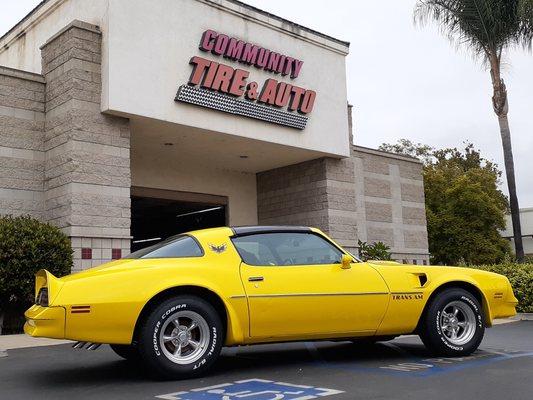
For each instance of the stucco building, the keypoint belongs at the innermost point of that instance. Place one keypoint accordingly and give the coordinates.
(125, 121)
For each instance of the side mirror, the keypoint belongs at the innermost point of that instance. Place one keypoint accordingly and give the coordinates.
(346, 261)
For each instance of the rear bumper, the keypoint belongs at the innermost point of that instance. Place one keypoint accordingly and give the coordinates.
(45, 322)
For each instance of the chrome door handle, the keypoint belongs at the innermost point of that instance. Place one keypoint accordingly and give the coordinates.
(256, 279)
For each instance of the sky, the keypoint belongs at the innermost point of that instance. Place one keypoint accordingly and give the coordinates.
(408, 82)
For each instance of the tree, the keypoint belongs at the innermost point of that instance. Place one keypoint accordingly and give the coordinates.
(26, 246)
(374, 251)
(488, 28)
(464, 207)
(408, 148)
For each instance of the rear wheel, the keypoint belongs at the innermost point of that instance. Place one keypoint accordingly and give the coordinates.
(127, 352)
(181, 338)
(453, 323)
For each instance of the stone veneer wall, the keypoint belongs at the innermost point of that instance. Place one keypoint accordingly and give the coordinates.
(318, 193)
(390, 203)
(61, 159)
(87, 171)
(372, 196)
(21, 142)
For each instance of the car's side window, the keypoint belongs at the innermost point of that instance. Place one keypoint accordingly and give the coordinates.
(173, 247)
(286, 248)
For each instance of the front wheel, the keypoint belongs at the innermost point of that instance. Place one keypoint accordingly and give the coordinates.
(453, 323)
(181, 338)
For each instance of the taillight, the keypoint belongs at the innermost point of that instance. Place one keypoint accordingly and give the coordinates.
(42, 297)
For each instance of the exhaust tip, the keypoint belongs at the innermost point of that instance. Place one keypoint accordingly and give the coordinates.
(86, 345)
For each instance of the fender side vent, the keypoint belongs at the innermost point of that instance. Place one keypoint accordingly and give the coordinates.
(423, 279)
(80, 309)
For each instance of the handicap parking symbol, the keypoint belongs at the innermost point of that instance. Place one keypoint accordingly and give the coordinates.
(252, 389)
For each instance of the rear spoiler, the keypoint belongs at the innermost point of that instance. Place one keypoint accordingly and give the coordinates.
(43, 278)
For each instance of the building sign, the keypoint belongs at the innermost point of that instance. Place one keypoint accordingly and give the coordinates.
(227, 88)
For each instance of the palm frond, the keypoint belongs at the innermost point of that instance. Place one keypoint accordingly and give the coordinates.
(486, 27)
(525, 11)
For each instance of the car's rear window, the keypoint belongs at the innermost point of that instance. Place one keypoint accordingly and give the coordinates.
(174, 247)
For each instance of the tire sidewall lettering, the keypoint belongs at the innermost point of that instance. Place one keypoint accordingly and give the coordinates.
(437, 323)
(155, 339)
(211, 349)
(213, 342)
(471, 302)
(172, 309)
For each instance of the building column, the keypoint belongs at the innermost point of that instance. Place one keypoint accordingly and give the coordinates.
(318, 193)
(21, 142)
(87, 153)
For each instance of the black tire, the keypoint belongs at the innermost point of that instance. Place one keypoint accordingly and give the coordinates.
(161, 356)
(438, 326)
(125, 351)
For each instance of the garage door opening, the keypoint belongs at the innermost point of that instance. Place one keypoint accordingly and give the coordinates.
(157, 214)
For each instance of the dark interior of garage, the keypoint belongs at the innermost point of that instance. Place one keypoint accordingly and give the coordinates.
(155, 219)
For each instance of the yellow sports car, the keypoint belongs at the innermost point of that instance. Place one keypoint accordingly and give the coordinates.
(172, 306)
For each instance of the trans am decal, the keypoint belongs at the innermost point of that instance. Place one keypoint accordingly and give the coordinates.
(408, 296)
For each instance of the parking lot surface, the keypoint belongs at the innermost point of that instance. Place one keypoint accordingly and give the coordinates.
(401, 369)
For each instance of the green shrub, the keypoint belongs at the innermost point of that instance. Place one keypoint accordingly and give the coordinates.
(26, 246)
(521, 278)
(374, 251)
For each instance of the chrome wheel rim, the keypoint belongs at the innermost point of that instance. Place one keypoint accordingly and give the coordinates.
(184, 337)
(457, 323)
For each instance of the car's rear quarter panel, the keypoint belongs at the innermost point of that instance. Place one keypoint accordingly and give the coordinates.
(117, 298)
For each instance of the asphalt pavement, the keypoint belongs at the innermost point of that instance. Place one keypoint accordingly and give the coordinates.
(401, 369)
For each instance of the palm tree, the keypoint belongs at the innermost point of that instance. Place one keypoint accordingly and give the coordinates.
(488, 28)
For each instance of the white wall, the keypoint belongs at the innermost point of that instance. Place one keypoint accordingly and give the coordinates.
(153, 169)
(526, 224)
(150, 45)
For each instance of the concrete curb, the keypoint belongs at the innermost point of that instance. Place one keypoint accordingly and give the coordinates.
(517, 318)
(10, 342)
(502, 321)
(524, 316)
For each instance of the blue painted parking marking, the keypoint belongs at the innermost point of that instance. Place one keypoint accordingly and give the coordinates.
(252, 389)
(431, 366)
(411, 365)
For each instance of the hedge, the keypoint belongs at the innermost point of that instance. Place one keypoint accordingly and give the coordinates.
(26, 246)
(521, 278)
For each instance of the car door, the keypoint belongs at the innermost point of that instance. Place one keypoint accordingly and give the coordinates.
(296, 288)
